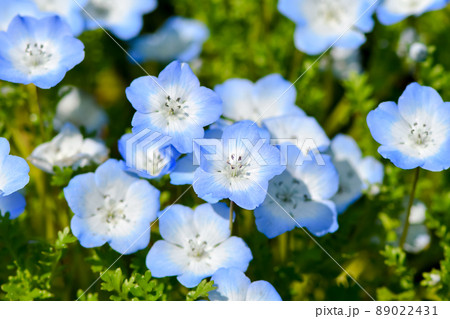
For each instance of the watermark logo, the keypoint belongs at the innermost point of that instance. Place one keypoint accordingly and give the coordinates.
(144, 151)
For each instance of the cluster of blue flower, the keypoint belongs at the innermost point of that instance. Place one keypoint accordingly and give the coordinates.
(321, 24)
(304, 179)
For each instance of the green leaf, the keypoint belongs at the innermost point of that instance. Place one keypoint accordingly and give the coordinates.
(202, 290)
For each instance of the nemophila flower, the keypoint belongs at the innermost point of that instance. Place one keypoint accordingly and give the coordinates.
(233, 285)
(123, 18)
(68, 149)
(80, 109)
(11, 8)
(307, 132)
(302, 195)
(241, 167)
(356, 174)
(38, 51)
(393, 11)
(321, 24)
(178, 39)
(268, 97)
(14, 204)
(111, 206)
(418, 237)
(416, 132)
(345, 62)
(174, 104)
(13, 170)
(196, 243)
(148, 153)
(69, 10)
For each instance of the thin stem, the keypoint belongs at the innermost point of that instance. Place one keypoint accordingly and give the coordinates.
(410, 203)
(36, 107)
(231, 216)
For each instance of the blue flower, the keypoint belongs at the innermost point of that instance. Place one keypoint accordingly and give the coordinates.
(356, 173)
(123, 18)
(326, 23)
(300, 196)
(416, 133)
(68, 149)
(147, 154)
(178, 39)
(69, 10)
(174, 104)
(11, 8)
(38, 51)
(304, 129)
(112, 207)
(13, 170)
(196, 244)
(241, 167)
(233, 285)
(393, 11)
(268, 97)
(80, 109)
(13, 204)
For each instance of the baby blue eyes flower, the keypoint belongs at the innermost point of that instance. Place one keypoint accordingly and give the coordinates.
(268, 97)
(174, 104)
(416, 132)
(178, 39)
(13, 177)
(13, 204)
(13, 170)
(233, 285)
(393, 11)
(38, 51)
(356, 174)
(122, 18)
(112, 207)
(68, 149)
(320, 24)
(304, 129)
(69, 10)
(302, 195)
(80, 109)
(196, 243)
(242, 166)
(147, 154)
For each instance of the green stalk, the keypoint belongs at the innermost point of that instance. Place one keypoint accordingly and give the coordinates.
(410, 203)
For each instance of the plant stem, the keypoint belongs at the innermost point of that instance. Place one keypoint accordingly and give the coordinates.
(35, 106)
(410, 203)
(231, 216)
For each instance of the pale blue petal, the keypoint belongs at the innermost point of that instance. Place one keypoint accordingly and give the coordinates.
(262, 291)
(231, 283)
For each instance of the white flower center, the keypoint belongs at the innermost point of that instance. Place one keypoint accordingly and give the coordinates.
(113, 212)
(330, 16)
(407, 6)
(174, 109)
(198, 248)
(290, 192)
(36, 56)
(421, 135)
(237, 166)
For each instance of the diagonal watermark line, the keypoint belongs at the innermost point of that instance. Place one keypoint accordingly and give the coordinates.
(317, 243)
(148, 229)
(317, 60)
